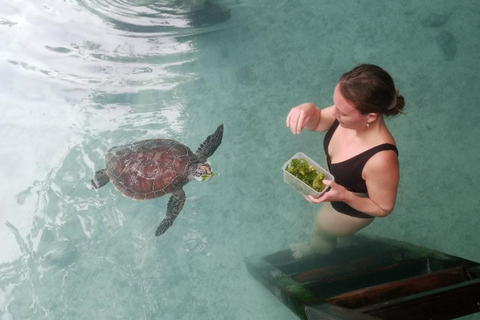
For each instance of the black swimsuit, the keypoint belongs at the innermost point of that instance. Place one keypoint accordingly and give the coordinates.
(348, 173)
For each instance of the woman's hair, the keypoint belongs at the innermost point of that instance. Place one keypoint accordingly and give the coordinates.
(371, 89)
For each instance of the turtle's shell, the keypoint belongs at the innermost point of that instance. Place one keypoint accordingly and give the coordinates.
(150, 168)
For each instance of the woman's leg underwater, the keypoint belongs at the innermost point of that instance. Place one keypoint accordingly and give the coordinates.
(331, 224)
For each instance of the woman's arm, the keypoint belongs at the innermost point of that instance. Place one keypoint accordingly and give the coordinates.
(381, 174)
(309, 117)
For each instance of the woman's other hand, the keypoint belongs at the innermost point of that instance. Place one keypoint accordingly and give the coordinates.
(300, 116)
(336, 193)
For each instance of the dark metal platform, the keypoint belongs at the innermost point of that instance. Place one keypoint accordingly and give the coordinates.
(373, 278)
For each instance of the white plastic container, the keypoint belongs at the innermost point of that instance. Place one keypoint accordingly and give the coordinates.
(298, 184)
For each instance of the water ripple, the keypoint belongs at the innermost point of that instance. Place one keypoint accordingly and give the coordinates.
(156, 16)
(110, 46)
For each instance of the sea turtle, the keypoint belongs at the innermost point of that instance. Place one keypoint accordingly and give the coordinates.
(151, 168)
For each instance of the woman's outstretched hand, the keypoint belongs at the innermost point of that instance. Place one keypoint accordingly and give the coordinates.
(336, 193)
(300, 116)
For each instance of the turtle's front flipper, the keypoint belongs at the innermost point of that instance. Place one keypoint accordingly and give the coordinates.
(175, 205)
(208, 147)
(101, 178)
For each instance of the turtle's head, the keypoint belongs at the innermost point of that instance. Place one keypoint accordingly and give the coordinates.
(203, 172)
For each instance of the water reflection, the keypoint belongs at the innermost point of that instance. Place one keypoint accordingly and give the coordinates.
(122, 68)
(146, 48)
(78, 77)
(157, 16)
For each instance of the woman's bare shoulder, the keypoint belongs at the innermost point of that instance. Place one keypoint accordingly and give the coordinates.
(383, 163)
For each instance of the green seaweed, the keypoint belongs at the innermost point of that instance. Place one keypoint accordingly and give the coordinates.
(208, 176)
(307, 174)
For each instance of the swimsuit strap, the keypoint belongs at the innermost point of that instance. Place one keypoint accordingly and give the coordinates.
(328, 137)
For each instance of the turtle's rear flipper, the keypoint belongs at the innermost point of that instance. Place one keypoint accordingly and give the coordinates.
(175, 205)
(100, 179)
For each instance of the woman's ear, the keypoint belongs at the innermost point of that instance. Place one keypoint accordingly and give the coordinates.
(371, 117)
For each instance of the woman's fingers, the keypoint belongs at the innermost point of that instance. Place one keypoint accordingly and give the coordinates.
(315, 200)
(324, 196)
(297, 119)
(292, 120)
(328, 183)
(302, 121)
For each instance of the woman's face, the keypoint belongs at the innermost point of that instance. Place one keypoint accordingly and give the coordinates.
(347, 115)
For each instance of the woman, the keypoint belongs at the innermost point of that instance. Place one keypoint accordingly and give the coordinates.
(361, 154)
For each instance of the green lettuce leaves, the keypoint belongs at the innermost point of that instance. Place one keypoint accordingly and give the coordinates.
(306, 173)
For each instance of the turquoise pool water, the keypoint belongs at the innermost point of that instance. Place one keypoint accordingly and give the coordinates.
(80, 76)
